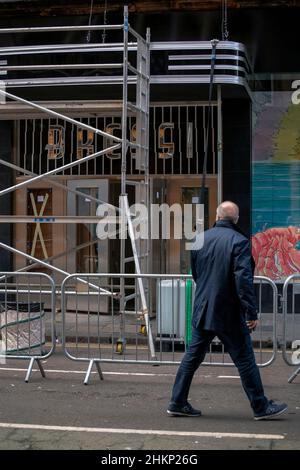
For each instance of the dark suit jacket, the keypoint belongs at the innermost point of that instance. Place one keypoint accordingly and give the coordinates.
(223, 273)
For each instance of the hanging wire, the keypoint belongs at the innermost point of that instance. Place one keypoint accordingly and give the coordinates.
(104, 22)
(214, 43)
(225, 32)
(88, 37)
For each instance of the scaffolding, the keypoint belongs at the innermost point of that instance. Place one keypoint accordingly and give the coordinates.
(137, 74)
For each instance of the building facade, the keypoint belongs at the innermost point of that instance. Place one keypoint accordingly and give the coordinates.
(253, 146)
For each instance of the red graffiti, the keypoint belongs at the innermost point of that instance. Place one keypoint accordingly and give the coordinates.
(275, 252)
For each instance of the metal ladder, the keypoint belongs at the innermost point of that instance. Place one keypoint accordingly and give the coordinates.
(140, 248)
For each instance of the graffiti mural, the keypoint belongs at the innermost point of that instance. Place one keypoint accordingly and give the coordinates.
(276, 185)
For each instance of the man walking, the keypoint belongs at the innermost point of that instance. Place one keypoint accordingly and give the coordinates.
(224, 306)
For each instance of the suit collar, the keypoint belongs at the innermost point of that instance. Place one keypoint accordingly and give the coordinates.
(225, 223)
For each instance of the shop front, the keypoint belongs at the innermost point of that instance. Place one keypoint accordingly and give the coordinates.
(199, 138)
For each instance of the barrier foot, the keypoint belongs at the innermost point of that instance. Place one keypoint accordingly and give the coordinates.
(89, 371)
(41, 368)
(29, 370)
(99, 370)
(294, 375)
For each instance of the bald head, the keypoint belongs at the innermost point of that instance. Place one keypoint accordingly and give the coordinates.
(228, 210)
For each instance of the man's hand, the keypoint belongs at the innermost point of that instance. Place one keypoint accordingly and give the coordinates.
(252, 324)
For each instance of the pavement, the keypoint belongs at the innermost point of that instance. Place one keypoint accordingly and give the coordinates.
(127, 410)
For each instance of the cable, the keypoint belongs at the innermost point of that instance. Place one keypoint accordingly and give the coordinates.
(88, 36)
(104, 22)
(214, 43)
(225, 32)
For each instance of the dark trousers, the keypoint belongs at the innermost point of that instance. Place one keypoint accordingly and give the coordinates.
(241, 353)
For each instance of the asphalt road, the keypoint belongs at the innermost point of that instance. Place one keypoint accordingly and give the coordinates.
(127, 410)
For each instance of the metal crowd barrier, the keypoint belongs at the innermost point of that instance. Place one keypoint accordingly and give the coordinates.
(291, 323)
(93, 316)
(27, 318)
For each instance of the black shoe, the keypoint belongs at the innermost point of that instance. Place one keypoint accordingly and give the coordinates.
(271, 411)
(186, 410)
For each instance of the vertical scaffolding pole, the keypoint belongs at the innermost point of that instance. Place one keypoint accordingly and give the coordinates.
(121, 340)
(142, 72)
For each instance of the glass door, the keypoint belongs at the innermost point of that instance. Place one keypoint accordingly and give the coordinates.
(186, 190)
(87, 258)
(89, 254)
(190, 195)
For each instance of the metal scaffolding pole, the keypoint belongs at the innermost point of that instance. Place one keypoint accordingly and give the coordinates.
(16, 68)
(142, 72)
(53, 29)
(122, 341)
(57, 219)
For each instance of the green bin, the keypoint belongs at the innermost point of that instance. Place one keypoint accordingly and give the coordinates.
(188, 310)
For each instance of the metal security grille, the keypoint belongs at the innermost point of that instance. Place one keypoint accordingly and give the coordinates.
(46, 144)
(177, 138)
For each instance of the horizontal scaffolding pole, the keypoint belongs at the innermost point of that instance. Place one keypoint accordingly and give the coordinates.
(65, 48)
(86, 81)
(47, 292)
(79, 124)
(50, 29)
(59, 67)
(132, 80)
(58, 219)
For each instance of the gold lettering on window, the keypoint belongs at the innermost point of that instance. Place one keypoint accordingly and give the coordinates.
(110, 128)
(165, 145)
(88, 145)
(56, 142)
